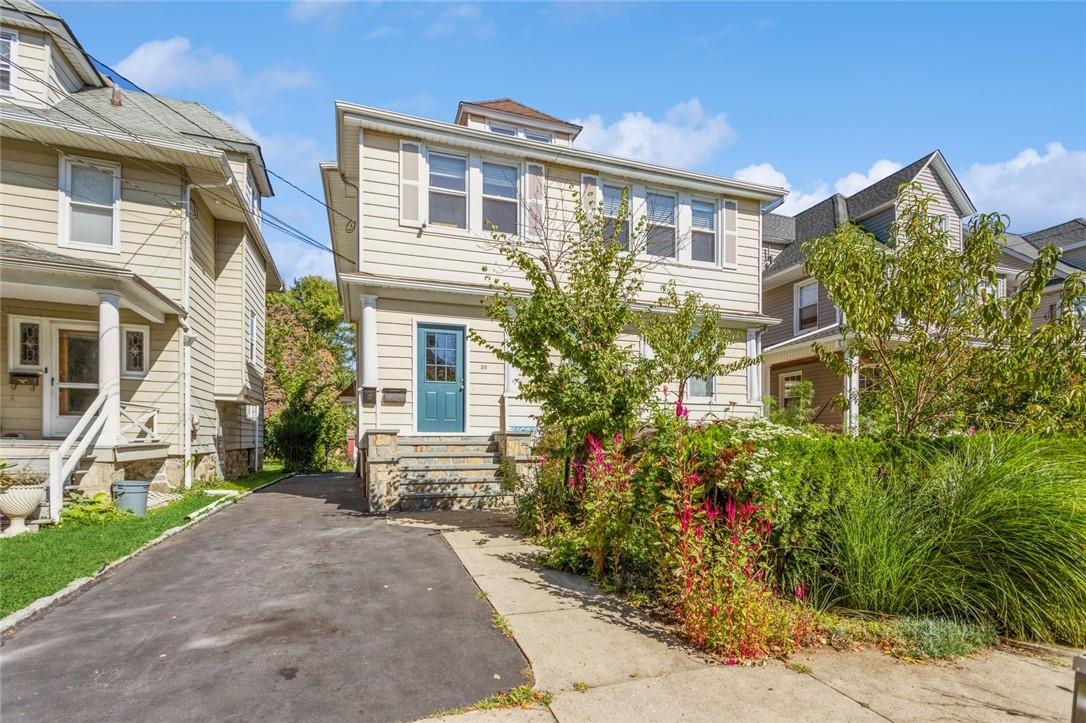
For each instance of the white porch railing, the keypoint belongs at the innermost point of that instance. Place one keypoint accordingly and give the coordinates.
(139, 422)
(62, 464)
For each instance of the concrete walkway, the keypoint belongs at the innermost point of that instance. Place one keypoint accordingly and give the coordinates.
(604, 661)
(291, 605)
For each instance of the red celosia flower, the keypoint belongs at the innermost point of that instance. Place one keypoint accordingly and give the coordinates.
(801, 592)
(681, 411)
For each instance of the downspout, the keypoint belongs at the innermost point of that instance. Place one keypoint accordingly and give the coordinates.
(186, 338)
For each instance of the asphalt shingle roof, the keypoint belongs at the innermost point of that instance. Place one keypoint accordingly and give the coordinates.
(508, 105)
(1062, 234)
(778, 227)
(13, 251)
(139, 114)
(882, 192)
(30, 7)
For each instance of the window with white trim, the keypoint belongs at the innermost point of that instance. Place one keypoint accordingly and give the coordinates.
(525, 133)
(612, 206)
(701, 387)
(254, 194)
(660, 232)
(252, 412)
(9, 43)
(788, 394)
(91, 196)
(448, 190)
(503, 130)
(500, 198)
(135, 350)
(24, 343)
(538, 137)
(250, 338)
(703, 238)
(806, 314)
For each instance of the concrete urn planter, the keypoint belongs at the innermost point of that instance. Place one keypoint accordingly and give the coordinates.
(19, 502)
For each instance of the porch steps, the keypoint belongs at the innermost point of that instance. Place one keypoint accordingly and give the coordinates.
(445, 472)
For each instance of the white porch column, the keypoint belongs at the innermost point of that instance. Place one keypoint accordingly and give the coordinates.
(109, 365)
(754, 371)
(369, 341)
(852, 394)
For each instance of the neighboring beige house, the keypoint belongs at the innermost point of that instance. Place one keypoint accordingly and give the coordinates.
(133, 273)
(1070, 237)
(412, 203)
(808, 313)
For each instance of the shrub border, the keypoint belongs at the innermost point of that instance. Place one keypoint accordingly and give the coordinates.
(43, 603)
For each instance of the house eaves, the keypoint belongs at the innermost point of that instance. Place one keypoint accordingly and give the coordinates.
(384, 121)
(33, 17)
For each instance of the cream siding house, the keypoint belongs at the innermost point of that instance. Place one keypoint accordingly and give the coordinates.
(133, 274)
(808, 313)
(412, 202)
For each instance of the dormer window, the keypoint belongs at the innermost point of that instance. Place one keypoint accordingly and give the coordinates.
(525, 133)
(9, 42)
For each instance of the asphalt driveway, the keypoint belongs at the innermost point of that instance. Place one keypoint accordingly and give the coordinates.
(288, 606)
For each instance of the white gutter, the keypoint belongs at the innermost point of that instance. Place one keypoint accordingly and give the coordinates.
(383, 121)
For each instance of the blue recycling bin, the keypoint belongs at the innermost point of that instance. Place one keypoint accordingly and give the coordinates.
(131, 495)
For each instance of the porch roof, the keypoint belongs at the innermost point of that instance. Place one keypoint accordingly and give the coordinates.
(34, 273)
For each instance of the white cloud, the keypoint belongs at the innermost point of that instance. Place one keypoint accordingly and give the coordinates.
(686, 137)
(162, 65)
(1036, 190)
(463, 18)
(381, 31)
(173, 64)
(304, 11)
(800, 200)
(855, 181)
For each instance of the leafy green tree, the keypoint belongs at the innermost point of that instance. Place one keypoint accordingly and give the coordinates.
(938, 347)
(307, 368)
(688, 339)
(563, 335)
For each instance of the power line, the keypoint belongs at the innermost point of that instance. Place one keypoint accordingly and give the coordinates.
(278, 224)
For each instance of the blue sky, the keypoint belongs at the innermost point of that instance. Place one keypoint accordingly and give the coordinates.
(813, 96)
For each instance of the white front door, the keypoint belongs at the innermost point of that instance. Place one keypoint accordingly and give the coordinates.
(73, 375)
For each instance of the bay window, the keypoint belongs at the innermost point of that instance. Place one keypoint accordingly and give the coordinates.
(90, 199)
(448, 190)
(703, 240)
(660, 233)
(499, 198)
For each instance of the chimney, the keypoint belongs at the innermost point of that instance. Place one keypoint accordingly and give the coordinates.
(115, 99)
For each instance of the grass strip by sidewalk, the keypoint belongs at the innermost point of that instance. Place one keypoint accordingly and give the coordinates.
(35, 565)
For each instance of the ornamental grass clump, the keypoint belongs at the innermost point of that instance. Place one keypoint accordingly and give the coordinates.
(988, 528)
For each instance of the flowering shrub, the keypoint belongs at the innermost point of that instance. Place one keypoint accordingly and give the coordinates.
(714, 563)
(605, 482)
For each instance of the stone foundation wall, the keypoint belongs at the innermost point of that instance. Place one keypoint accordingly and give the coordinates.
(164, 473)
(381, 472)
(238, 463)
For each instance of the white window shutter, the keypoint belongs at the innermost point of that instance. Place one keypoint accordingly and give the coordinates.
(731, 241)
(411, 184)
(535, 201)
(590, 192)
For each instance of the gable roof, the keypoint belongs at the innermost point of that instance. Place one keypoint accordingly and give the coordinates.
(777, 227)
(32, 16)
(826, 215)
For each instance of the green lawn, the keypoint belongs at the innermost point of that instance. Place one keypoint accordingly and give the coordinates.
(244, 484)
(39, 564)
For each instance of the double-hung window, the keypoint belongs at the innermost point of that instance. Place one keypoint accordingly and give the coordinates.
(806, 306)
(499, 198)
(660, 234)
(612, 207)
(538, 137)
(90, 204)
(448, 190)
(503, 130)
(9, 43)
(700, 387)
(789, 394)
(703, 239)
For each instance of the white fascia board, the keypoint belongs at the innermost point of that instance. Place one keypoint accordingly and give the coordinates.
(384, 121)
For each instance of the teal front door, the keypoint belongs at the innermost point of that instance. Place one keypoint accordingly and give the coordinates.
(440, 378)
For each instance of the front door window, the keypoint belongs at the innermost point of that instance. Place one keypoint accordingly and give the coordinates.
(77, 371)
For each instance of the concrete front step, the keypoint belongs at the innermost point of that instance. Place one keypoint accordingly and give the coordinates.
(474, 471)
(450, 485)
(411, 501)
(430, 460)
(446, 443)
